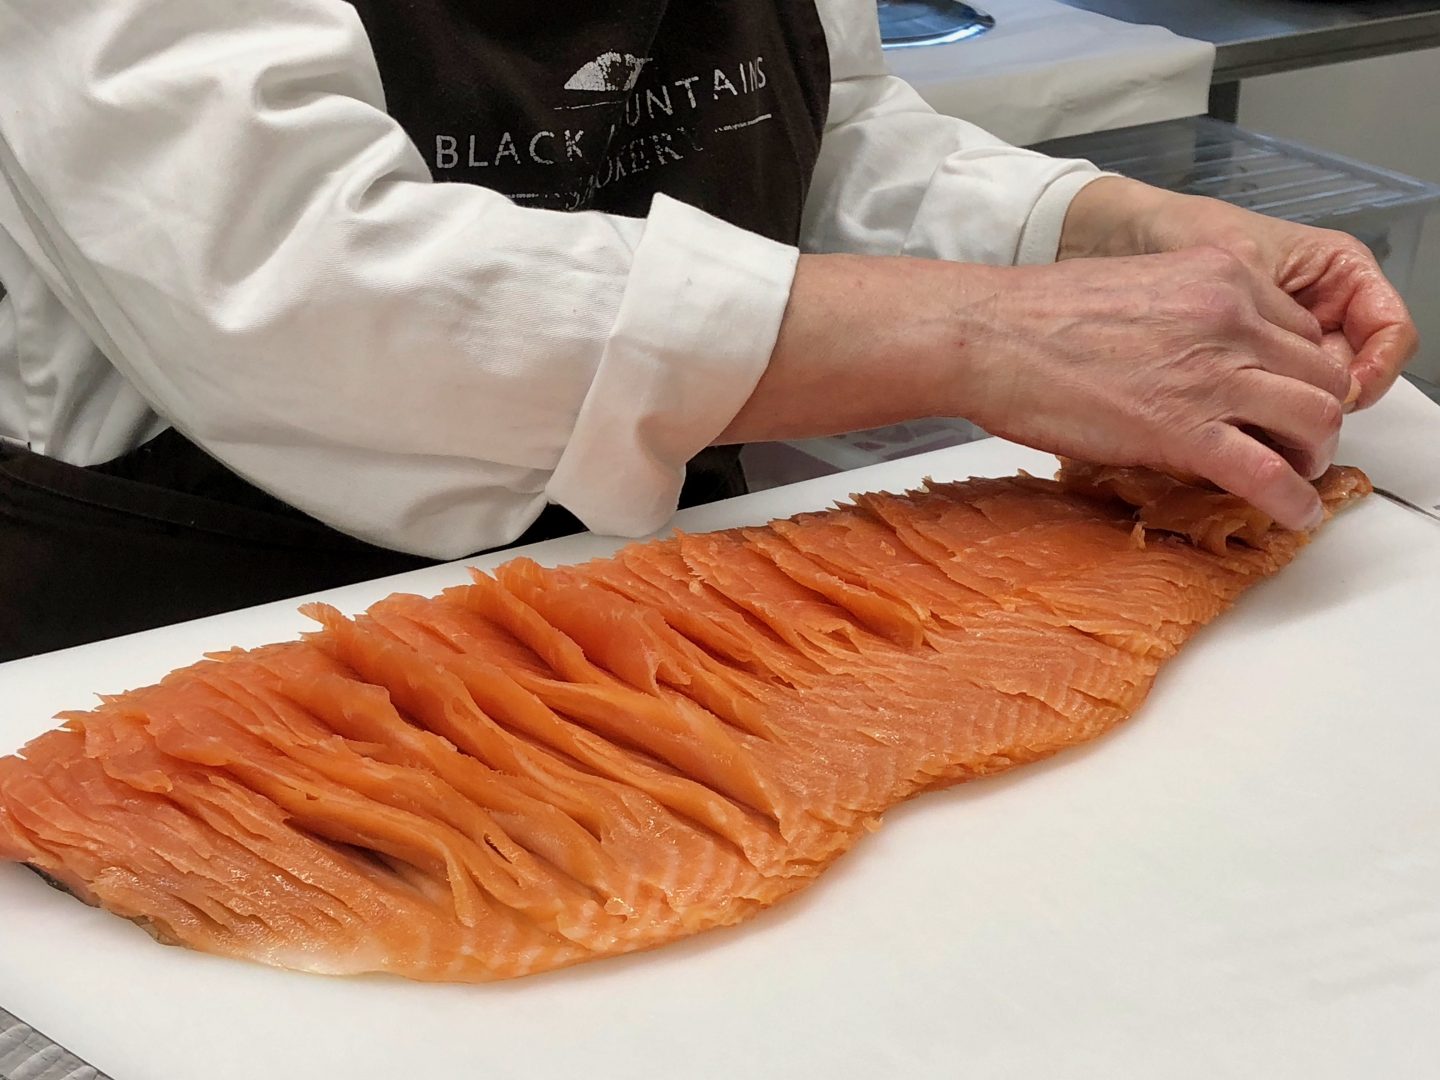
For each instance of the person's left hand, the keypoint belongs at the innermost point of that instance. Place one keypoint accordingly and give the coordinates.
(1332, 275)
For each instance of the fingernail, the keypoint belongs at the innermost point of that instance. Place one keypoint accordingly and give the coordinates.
(1316, 519)
(1354, 394)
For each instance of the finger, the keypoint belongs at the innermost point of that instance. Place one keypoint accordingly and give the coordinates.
(1297, 416)
(1354, 296)
(1287, 355)
(1304, 462)
(1381, 359)
(1339, 349)
(1301, 461)
(1233, 460)
(1310, 464)
(1281, 309)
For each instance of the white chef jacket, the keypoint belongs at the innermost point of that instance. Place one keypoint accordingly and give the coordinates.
(208, 221)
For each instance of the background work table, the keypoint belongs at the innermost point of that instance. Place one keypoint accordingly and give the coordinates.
(1262, 37)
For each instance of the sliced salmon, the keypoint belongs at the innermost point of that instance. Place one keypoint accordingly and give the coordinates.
(548, 766)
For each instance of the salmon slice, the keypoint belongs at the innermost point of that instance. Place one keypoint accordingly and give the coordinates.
(657, 575)
(866, 553)
(216, 867)
(1210, 518)
(897, 622)
(606, 785)
(635, 644)
(548, 766)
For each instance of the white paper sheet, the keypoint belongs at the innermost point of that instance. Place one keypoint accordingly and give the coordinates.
(1048, 70)
(1241, 882)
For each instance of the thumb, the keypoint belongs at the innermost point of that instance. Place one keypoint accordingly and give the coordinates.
(1338, 347)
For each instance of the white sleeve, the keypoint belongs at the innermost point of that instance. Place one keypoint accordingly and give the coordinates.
(218, 194)
(895, 177)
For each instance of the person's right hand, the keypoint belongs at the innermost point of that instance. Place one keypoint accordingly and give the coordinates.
(1187, 361)
(1331, 274)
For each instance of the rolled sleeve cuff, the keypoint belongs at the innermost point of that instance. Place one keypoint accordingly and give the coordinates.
(1040, 238)
(695, 330)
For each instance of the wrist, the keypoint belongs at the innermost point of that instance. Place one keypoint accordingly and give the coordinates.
(1113, 215)
(968, 343)
(934, 327)
(870, 340)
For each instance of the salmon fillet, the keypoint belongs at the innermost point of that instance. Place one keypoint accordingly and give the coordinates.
(551, 766)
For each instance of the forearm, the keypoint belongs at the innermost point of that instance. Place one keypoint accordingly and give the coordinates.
(870, 340)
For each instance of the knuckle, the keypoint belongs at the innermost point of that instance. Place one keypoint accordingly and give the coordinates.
(1220, 261)
(1352, 253)
(1409, 336)
(1329, 414)
(1317, 417)
(1233, 309)
(1344, 241)
(1270, 472)
(1246, 251)
(1332, 377)
(1218, 303)
(1205, 450)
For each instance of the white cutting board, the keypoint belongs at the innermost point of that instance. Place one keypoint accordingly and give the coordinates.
(1244, 881)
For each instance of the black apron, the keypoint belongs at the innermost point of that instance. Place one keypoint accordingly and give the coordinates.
(573, 106)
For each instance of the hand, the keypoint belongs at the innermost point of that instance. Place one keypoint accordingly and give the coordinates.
(1333, 276)
(1188, 361)
(1176, 360)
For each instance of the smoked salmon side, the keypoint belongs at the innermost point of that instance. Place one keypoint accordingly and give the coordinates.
(552, 765)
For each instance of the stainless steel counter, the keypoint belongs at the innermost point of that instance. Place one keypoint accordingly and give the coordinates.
(1261, 37)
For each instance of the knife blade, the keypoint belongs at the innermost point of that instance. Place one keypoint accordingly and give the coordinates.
(1397, 444)
(27, 1054)
(1432, 514)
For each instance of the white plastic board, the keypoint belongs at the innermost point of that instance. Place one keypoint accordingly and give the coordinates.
(1244, 881)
